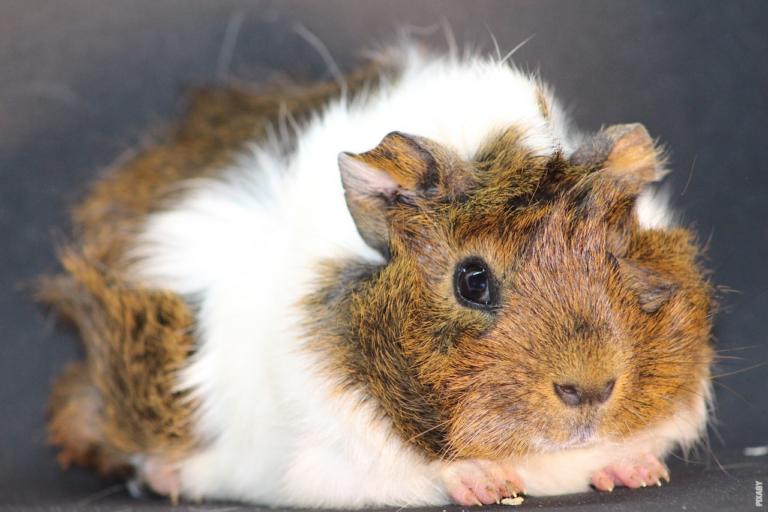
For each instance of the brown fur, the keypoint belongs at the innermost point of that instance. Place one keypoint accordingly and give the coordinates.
(584, 297)
(122, 402)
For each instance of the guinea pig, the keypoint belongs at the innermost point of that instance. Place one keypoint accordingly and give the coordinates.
(420, 287)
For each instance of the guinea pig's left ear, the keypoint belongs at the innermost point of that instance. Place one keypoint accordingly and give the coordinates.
(652, 289)
(402, 166)
(625, 152)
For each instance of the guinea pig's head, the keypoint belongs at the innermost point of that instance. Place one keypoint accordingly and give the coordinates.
(523, 307)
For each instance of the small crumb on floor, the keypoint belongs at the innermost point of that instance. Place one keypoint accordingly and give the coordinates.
(512, 501)
(756, 451)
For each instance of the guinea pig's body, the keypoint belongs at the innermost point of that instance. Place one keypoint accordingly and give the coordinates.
(470, 304)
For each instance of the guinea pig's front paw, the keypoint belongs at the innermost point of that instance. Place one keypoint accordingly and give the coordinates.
(479, 481)
(160, 477)
(647, 471)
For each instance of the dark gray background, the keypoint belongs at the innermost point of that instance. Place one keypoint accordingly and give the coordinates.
(82, 82)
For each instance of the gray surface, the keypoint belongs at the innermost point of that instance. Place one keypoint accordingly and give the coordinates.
(81, 82)
(726, 485)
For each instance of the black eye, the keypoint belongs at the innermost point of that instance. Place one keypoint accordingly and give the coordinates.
(473, 284)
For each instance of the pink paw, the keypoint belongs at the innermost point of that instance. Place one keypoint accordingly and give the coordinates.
(478, 482)
(162, 479)
(649, 471)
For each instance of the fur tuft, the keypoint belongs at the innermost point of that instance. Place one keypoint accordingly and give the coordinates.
(123, 401)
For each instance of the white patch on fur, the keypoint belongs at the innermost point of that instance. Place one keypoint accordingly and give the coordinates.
(244, 248)
(653, 210)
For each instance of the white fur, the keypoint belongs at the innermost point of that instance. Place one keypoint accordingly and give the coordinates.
(244, 247)
(653, 210)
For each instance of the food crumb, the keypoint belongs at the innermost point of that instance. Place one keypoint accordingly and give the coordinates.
(512, 501)
(756, 451)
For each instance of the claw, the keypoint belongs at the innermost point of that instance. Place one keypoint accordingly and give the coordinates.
(510, 489)
(493, 493)
(480, 482)
(162, 479)
(645, 472)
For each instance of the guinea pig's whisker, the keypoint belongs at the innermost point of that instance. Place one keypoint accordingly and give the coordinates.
(704, 439)
(427, 431)
(720, 351)
(689, 363)
(729, 357)
(741, 370)
(641, 419)
(733, 391)
(708, 399)
(109, 491)
(623, 437)
(659, 396)
(676, 414)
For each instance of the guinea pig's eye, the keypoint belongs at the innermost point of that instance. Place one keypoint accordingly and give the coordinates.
(473, 284)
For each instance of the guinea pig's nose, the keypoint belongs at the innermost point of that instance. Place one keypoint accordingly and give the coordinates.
(574, 394)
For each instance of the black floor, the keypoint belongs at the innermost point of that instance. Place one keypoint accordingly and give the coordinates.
(728, 483)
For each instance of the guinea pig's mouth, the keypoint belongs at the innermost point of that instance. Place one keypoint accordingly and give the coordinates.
(581, 437)
(577, 443)
(578, 437)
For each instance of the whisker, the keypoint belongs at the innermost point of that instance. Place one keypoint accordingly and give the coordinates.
(428, 431)
(690, 175)
(228, 44)
(325, 54)
(739, 371)
(109, 491)
(641, 419)
(495, 43)
(659, 396)
(734, 392)
(736, 348)
(513, 50)
(450, 38)
(690, 363)
(730, 357)
(708, 399)
(704, 438)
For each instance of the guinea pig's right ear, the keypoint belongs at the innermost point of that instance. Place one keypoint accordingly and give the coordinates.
(401, 166)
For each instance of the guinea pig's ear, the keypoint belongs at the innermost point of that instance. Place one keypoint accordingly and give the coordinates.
(368, 191)
(401, 166)
(652, 289)
(624, 151)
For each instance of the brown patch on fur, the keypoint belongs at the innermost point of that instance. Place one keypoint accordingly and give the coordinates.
(122, 401)
(76, 425)
(583, 297)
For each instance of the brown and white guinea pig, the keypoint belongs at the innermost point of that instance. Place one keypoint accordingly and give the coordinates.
(419, 289)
